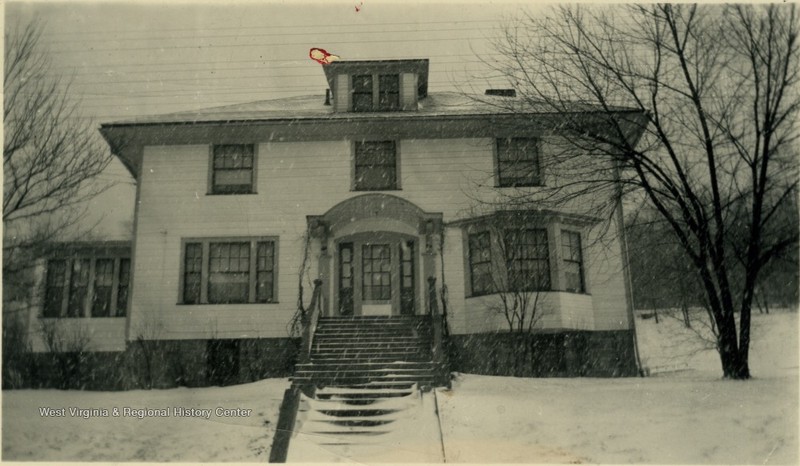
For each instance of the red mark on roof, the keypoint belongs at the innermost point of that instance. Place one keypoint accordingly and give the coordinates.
(322, 56)
(358, 7)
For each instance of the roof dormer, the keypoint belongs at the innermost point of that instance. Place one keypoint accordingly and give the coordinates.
(377, 85)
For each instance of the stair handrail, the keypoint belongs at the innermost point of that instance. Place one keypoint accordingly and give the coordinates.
(309, 321)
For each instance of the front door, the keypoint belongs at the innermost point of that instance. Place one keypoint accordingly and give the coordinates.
(376, 276)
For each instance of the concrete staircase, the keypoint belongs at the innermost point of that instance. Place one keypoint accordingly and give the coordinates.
(379, 352)
(364, 394)
(367, 426)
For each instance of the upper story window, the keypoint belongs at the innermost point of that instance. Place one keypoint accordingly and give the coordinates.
(375, 166)
(83, 287)
(573, 261)
(367, 97)
(518, 162)
(229, 271)
(233, 169)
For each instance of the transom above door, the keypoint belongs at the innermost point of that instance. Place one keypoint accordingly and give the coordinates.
(376, 275)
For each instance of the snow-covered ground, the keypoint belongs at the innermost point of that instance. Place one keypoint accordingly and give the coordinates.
(229, 436)
(684, 413)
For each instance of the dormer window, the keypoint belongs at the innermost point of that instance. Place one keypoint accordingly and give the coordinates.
(362, 93)
(363, 86)
(389, 92)
(376, 92)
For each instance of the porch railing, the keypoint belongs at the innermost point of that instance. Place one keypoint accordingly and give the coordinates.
(291, 397)
(309, 321)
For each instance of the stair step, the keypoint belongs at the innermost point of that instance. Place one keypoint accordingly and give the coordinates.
(353, 382)
(355, 366)
(360, 412)
(356, 399)
(350, 432)
(373, 338)
(371, 318)
(382, 342)
(368, 344)
(366, 391)
(366, 373)
(358, 422)
(369, 358)
(376, 385)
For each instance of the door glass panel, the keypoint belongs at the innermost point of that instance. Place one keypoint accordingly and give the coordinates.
(346, 279)
(407, 277)
(377, 266)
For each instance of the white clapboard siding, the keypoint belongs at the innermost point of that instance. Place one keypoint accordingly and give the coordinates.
(296, 179)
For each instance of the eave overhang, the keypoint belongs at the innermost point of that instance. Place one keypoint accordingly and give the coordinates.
(127, 140)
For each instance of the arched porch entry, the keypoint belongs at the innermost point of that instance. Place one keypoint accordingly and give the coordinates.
(376, 250)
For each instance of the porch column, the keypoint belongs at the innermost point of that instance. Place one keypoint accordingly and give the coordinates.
(319, 233)
(430, 234)
(325, 276)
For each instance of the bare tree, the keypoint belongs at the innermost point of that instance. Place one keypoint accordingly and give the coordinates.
(510, 262)
(712, 90)
(51, 157)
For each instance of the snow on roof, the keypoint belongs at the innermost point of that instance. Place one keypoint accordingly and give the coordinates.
(313, 107)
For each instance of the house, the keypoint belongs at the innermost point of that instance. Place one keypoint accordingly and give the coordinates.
(372, 189)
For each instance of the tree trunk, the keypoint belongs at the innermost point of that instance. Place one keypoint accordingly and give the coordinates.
(734, 366)
(685, 310)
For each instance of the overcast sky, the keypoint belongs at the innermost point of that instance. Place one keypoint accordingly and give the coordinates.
(142, 58)
(138, 58)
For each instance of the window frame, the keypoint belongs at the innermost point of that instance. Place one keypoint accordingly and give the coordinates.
(253, 272)
(568, 234)
(354, 186)
(396, 103)
(212, 170)
(509, 261)
(87, 307)
(471, 263)
(354, 92)
(501, 182)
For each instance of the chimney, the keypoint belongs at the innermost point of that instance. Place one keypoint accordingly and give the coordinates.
(502, 92)
(327, 96)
